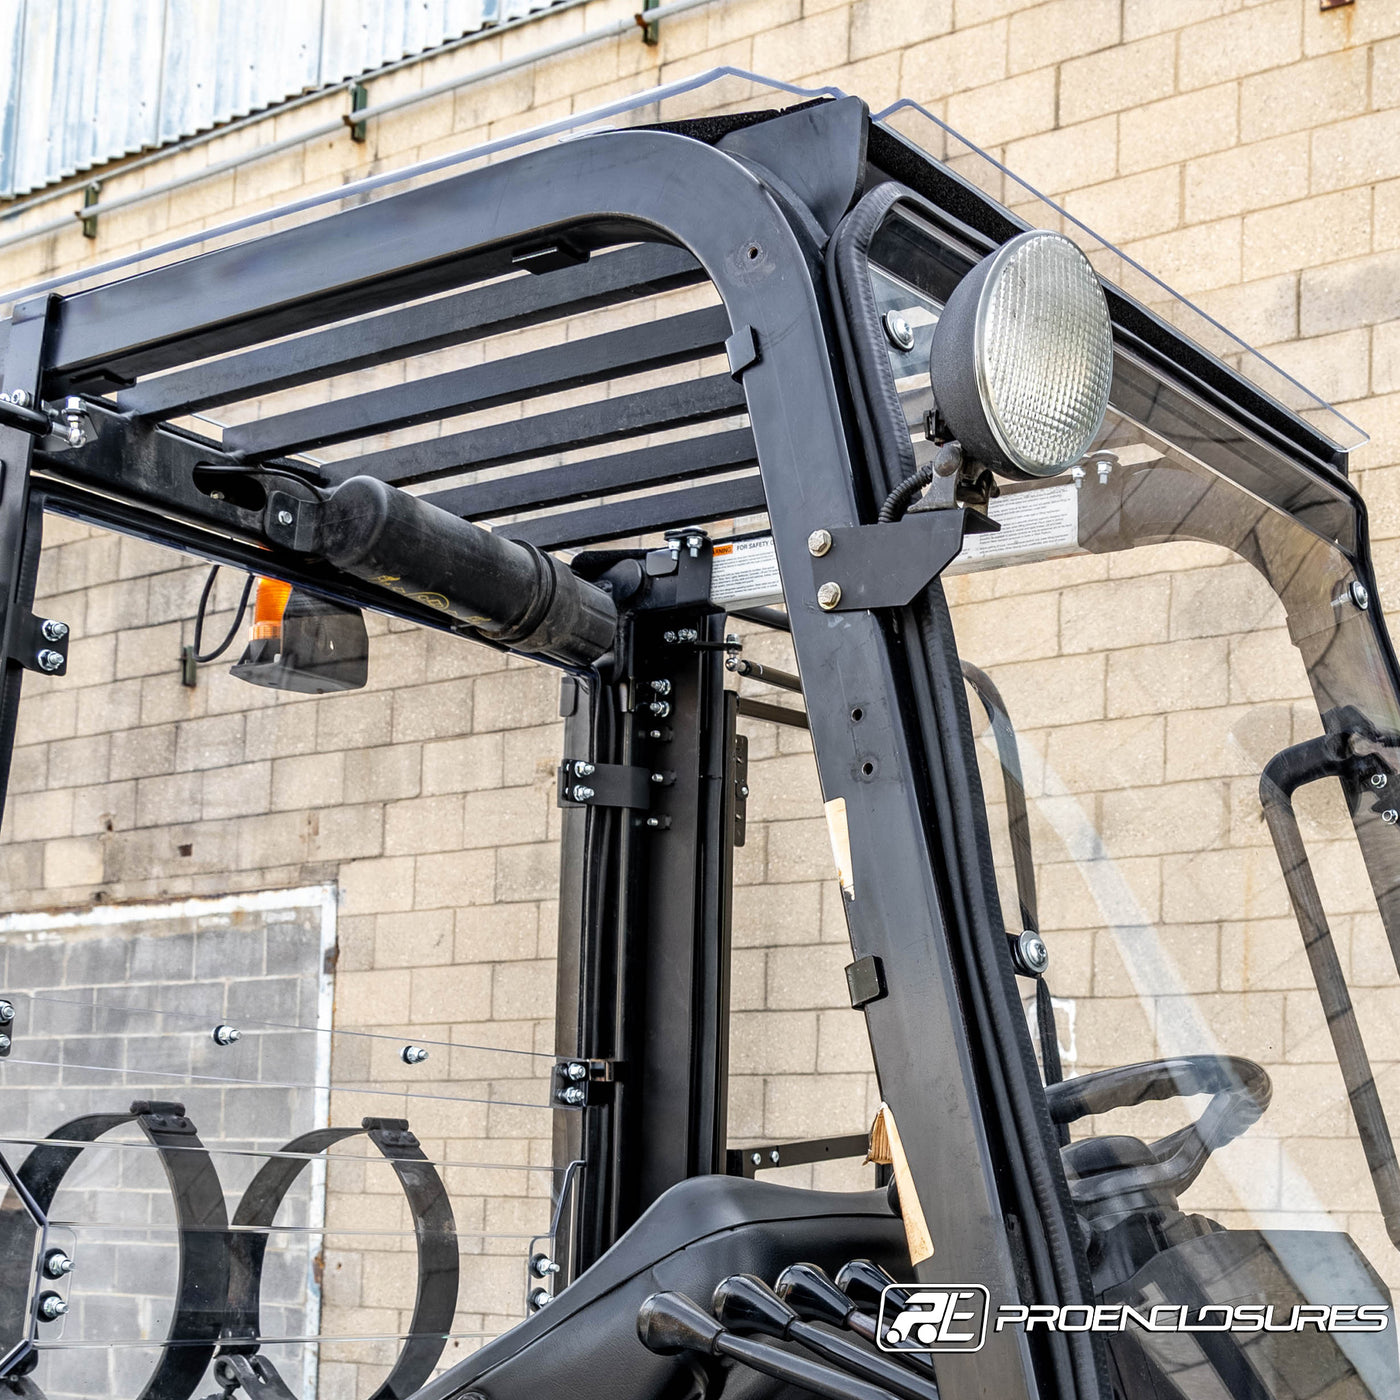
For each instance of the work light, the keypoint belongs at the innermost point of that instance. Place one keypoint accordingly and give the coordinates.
(1022, 357)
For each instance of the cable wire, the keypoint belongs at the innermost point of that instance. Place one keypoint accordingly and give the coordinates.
(199, 618)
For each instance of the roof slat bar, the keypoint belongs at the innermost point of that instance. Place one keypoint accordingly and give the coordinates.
(587, 425)
(721, 500)
(661, 465)
(651, 345)
(415, 330)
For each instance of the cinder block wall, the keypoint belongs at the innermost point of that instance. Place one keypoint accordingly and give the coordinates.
(1249, 153)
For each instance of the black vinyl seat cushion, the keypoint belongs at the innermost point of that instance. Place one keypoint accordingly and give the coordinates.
(584, 1344)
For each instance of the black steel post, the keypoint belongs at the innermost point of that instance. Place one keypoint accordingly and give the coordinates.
(21, 523)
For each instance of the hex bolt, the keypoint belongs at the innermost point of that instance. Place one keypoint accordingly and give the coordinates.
(541, 1265)
(226, 1035)
(5, 1043)
(51, 1307)
(818, 543)
(899, 331)
(57, 1264)
(1035, 956)
(1359, 594)
(19, 397)
(583, 769)
(581, 793)
(576, 1070)
(660, 708)
(662, 686)
(284, 517)
(775, 1156)
(756, 1158)
(573, 1095)
(50, 660)
(7, 1012)
(1378, 780)
(733, 639)
(413, 1054)
(1390, 816)
(540, 1298)
(828, 595)
(53, 630)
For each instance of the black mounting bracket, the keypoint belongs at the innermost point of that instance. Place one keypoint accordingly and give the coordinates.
(41, 644)
(582, 1083)
(889, 565)
(584, 784)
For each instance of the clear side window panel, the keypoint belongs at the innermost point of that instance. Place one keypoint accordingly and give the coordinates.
(1195, 707)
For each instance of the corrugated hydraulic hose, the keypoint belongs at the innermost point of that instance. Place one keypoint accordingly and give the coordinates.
(509, 591)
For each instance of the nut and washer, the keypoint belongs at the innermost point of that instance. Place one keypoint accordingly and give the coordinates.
(818, 543)
(57, 1264)
(661, 687)
(573, 1095)
(541, 1265)
(1360, 594)
(50, 660)
(226, 1035)
(540, 1298)
(576, 1070)
(828, 595)
(284, 517)
(584, 769)
(1378, 780)
(660, 708)
(580, 792)
(899, 331)
(53, 629)
(7, 1012)
(413, 1054)
(1390, 816)
(5, 1042)
(51, 1307)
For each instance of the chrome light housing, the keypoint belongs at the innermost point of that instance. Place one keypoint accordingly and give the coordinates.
(1022, 357)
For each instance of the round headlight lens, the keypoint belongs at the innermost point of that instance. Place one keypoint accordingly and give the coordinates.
(1022, 356)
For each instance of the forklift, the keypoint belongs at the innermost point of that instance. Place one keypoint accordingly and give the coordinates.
(908, 395)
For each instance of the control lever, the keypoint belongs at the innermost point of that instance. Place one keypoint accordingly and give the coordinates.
(669, 1323)
(808, 1291)
(865, 1282)
(745, 1304)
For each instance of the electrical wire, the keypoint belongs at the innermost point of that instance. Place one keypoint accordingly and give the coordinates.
(199, 618)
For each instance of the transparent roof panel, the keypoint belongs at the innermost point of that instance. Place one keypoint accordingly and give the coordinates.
(727, 90)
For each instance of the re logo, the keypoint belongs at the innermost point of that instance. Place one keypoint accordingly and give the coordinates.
(950, 1318)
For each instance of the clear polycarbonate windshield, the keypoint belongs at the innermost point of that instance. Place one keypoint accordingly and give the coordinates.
(1188, 740)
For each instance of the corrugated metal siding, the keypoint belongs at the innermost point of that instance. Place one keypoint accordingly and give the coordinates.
(86, 81)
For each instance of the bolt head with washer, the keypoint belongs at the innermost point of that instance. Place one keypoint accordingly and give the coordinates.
(828, 595)
(1035, 956)
(818, 543)
(899, 331)
(1360, 595)
(284, 517)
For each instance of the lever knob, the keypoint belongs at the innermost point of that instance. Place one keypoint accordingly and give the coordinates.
(863, 1281)
(744, 1304)
(808, 1291)
(668, 1323)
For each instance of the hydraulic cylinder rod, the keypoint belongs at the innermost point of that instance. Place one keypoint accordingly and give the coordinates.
(509, 591)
